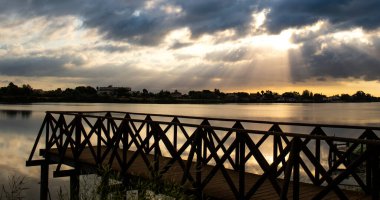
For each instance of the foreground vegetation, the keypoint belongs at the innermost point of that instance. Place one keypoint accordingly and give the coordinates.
(106, 185)
(14, 190)
(26, 94)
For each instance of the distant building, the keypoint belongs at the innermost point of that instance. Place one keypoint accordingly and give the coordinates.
(110, 90)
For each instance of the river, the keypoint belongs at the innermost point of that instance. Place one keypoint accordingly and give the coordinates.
(19, 125)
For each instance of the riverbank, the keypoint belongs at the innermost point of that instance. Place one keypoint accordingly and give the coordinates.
(100, 99)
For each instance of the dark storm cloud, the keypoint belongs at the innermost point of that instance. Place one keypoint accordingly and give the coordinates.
(336, 61)
(131, 21)
(216, 15)
(341, 13)
(33, 66)
(128, 21)
(65, 66)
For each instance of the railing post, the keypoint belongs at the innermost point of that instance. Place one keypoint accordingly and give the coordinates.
(318, 158)
(198, 165)
(296, 168)
(275, 141)
(148, 130)
(108, 128)
(74, 187)
(99, 142)
(61, 132)
(47, 146)
(156, 148)
(275, 146)
(317, 131)
(125, 146)
(241, 165)
(44, 187)
(78, 135)
(74, 178)
(292, 165)
(375, 174)
(204, 132)
(371, 162)
(237, 153)
(44, 180)
(175, 134)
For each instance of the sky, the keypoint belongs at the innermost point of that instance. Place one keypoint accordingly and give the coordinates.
(326, 46)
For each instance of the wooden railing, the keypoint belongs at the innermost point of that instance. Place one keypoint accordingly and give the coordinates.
(194, 142)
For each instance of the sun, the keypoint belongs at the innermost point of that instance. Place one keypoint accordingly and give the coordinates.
(281, 42)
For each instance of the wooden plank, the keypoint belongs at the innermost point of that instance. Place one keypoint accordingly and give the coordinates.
(217, 186)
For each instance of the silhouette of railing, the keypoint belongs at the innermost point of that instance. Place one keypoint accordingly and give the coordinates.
(193, 142)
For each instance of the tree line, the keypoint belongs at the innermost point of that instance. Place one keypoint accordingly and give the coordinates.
(25, 93)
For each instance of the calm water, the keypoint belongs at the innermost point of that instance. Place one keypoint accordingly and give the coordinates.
(19, 125)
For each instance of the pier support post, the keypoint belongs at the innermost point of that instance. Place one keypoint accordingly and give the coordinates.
(74, 187)
(44, 181)
(104, 185)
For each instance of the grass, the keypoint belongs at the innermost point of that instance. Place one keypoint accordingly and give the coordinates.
(106, 185)
(109, 185)
(14, 190)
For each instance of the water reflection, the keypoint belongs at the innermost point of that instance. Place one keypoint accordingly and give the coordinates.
(24, 114)
(20, 122)
(14, 149)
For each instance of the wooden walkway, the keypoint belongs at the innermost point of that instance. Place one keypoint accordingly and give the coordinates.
(211, 156)
(216, 189)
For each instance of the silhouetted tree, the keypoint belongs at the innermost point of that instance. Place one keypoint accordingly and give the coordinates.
(361, 96)
(319, 98)
(345, 97)
(124, 92)
(26, 90)
(85, 91)
(12, 89)
(291, 95)
(269, 95)
(163, 94)
(307, 95)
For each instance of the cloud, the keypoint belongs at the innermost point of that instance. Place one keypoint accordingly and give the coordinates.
(127, 21)
(135, 22)
(112, 48)
(178, 45)
(343, 14)
(216, 15)
(147, 23)
(69, 66)
(329, 57)
(34, 66)
(234, 55)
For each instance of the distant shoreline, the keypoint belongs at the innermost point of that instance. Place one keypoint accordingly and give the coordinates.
(158, 101)
(87, 94)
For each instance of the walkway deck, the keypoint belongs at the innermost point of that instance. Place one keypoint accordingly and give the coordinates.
(212, 156)
(217, 188)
